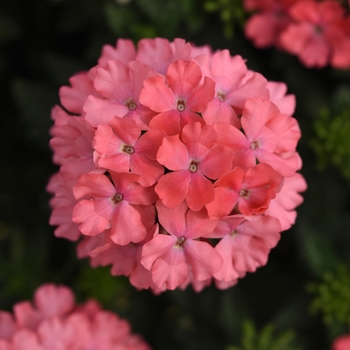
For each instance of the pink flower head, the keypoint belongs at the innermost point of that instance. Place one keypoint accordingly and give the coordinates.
(312, 35)
(341, 343)
(171, 151)
(177, 98)
(62, 325)
(265, 27)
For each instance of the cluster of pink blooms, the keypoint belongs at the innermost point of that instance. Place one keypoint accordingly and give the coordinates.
(318, 32)
(341, 343)
(55, 322)
(178, 166)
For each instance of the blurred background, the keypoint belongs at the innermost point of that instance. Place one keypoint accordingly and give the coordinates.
(299, 300)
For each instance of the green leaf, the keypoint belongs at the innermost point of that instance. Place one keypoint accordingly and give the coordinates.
(265, 340)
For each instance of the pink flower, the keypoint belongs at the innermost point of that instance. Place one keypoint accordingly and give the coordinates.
(177, 98)
(272, 136)
(120, 147)
(251, 191)
(265, 27)
(232, 88)
(341, 343)
(62, 325)
(172, 143)
(312, 35)
(169, 255)
(111, 205)
(120, 86)
(49, 301)
(193, 164)
(245, 245)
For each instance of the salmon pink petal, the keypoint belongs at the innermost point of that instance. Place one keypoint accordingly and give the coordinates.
(180, 71)
(255, 115)
(91, 223)
(255, 86)
(223, 65)
(158, 246)
(126, 130)
(199, 224)
(172, 188)
(285, 166)
(202, 258)
(285, 103)
(73, 98)
(224, 248)
(26, 315)
(224, 202)
(124, 51)
(173, 154)
(149, 171)
(94, 185)
(122, 181)
(138, 194)
(197, 132)
(157, 95)
(217, 161)
(149, 143)
(169, 276)
(114, 82)
(200, 97)
(115, 162)
(100, 111)
(200, 192)
(173, 219)
(168, 122)
(54, 300)
(7, 325)
(126, 225)
(26, 340)
(219, 112)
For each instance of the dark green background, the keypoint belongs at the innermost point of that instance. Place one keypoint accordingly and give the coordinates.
(42, 43)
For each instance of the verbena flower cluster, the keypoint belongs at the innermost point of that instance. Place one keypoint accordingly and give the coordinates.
(341, 343)
(55, 322)
(318, 32)
(178, 165)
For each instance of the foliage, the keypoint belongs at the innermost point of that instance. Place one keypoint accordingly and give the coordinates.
(332, 296)
(231, 13)
(331, 142)
(265, 339)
